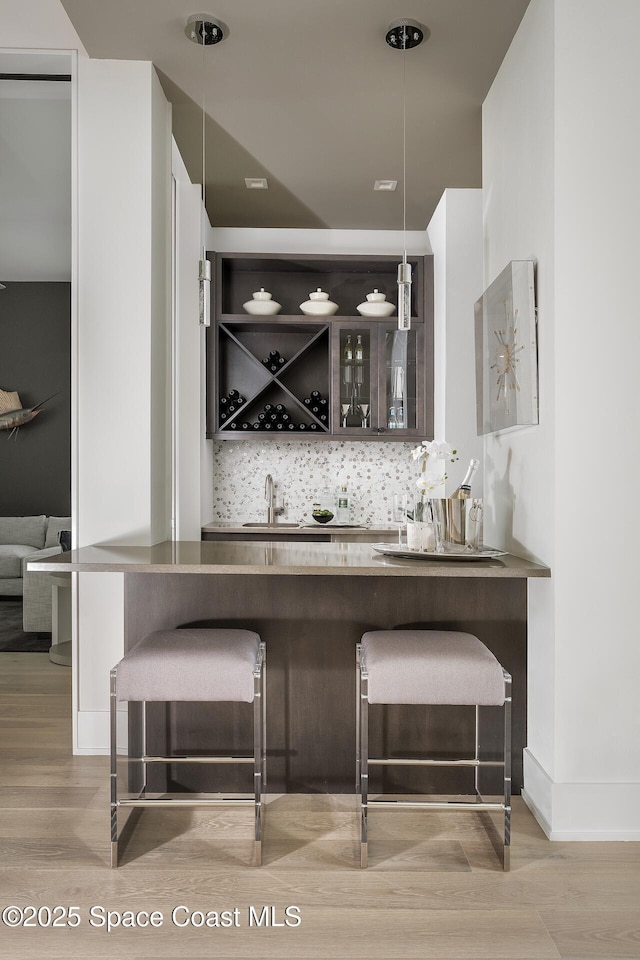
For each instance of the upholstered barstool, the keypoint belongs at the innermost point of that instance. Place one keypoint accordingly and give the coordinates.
(191, 665)
(430, 667)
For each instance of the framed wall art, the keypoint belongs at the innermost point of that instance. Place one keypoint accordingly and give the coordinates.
(507, 350)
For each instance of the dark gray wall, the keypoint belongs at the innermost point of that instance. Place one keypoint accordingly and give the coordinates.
(35, 360)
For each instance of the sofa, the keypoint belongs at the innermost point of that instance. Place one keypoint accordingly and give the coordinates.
(23, 539)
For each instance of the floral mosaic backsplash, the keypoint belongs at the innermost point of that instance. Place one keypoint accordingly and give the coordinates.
(373, 472)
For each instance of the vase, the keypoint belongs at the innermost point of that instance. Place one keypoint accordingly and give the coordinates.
(424, 529)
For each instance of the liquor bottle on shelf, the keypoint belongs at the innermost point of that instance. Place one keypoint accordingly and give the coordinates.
(392, 422)
(348, 350)
(463, 492)
(358, 354)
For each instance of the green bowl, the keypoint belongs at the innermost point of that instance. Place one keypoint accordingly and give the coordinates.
(323, 517)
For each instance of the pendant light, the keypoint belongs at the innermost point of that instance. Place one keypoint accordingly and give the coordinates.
(202, 28)
(403, 35)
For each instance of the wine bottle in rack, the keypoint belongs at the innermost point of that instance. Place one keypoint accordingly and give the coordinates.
(463, 492)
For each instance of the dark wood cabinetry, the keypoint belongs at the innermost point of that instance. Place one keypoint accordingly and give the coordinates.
(301, 376)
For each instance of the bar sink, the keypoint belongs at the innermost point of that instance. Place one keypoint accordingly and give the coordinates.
(272, 526)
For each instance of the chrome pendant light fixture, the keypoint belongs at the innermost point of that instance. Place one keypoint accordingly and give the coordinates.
(203, 29)
(403, 35)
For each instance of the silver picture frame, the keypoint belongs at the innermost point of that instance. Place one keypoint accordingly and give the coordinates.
(506, 348)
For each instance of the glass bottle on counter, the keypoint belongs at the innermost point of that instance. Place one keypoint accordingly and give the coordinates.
(343, 505)
(463, 492)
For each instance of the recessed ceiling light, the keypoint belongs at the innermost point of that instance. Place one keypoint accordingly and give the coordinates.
(385, 185)
(256, 183)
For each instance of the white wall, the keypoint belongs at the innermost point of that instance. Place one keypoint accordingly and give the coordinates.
(558, 173)
(597, 388)
(518, 200)
(261, 240)
(189, 355)
(121, 464)
(455, 236)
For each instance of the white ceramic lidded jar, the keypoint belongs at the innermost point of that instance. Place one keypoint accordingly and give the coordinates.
(318, 305)
(376, 305)
(262, 305)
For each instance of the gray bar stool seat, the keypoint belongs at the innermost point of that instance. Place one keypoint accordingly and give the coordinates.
(430, 667)
(212, 665)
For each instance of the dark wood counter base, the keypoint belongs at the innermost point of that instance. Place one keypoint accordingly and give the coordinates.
(311, 625)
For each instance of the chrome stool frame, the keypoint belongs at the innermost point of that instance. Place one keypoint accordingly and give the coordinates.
(258, 759)
(364, 761)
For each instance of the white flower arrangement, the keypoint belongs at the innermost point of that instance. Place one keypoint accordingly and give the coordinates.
(433, 454)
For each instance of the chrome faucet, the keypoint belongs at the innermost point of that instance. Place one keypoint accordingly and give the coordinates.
(270, 496)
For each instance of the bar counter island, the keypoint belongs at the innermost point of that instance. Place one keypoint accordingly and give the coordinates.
(311, 603)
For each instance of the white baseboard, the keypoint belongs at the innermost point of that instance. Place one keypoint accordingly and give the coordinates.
(92, 732)
(581, 811)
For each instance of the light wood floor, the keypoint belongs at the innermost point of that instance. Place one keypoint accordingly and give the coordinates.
(434, 888)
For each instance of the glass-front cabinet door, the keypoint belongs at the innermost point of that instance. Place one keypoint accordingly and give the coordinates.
(355, 384)
(401, 391)
(377, 386)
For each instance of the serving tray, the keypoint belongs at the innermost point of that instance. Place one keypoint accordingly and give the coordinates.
(403, 552)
